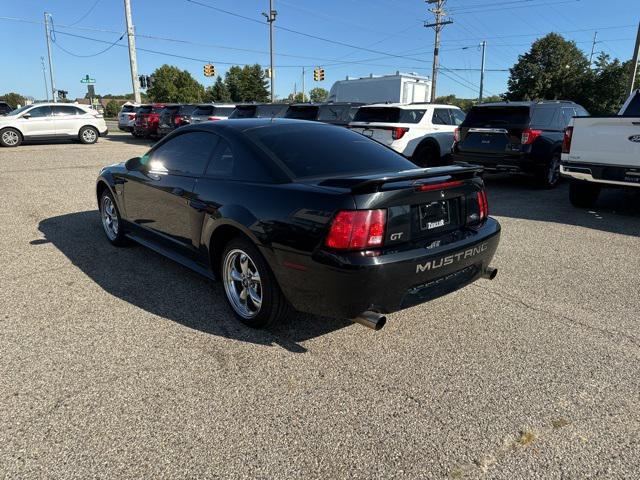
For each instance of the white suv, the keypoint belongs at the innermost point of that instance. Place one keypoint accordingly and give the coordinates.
(422, 132)
(127, 116)
(51, 120)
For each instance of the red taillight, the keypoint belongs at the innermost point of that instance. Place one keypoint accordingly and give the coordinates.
(456, 135)
(483, 204)
(398, 132)
(214, 118)
(438, 186)
(357, 229)
(566, 141)
(529, 136)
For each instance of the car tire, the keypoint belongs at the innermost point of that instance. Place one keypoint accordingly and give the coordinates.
(550, 176)
(88, 135)
(583, 194)
(111, 219)
(250, 287)
(427, 155)
(10, 137)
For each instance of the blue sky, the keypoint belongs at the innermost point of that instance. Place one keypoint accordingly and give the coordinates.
(388, 30)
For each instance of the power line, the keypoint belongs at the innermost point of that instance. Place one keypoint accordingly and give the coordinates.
(95, 4)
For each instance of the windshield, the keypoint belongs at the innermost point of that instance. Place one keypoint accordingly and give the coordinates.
(127, 109)
(271, 111)
(496, 116)
(310, 150)
(18, 111)
(329, 113)
(307, 112)
(244, 112)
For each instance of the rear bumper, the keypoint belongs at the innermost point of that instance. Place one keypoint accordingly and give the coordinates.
(614, 175)
(145, 130)
(165, 130)
(345, 285)
(523, 163)
(125, 128)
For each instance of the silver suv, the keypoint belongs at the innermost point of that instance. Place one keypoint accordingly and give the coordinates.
(51, 120)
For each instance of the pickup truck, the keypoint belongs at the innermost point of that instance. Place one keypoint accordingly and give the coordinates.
(599, 152)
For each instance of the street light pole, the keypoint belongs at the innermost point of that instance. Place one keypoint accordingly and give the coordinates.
(271, 17)
(48, 34)
(44, 76)
(483, 44)
(133, 60)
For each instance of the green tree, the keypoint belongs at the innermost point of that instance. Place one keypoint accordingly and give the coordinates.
(13, 99)
(218, 92)
(247, 84)
(297, 98)
(170, 84)
(318, 95)
(554, 68)
(112, 109)
(608, 85)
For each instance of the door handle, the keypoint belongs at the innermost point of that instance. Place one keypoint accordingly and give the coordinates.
(178, 191)
(119, 181)
(198, 205)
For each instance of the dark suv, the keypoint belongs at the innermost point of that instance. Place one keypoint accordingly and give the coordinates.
(5, 108)
(174, 116)
(260, 110)
(516, 137)
(334, 113)
(147, 120)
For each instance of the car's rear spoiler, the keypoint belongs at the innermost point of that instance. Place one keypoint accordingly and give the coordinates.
(371, 183)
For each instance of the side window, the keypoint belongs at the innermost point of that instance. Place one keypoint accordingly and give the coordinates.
(186, 154)
(59, 110)
(230, 165)
(411, 116)
(633, 109)
(457, 116)
(441, 117)
(40, 112)
(567, 115)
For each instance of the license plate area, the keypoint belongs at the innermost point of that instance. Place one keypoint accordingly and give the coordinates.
(436, 217)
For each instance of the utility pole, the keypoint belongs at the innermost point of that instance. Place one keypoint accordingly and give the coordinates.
(47, 16)
(483, 44)
(439, 13)
(634, 62)
(271, 17)
(303, 84)
(593, 47)
(44, 76)
(133, 61)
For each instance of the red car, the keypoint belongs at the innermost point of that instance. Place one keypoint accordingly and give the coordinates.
(147, 120)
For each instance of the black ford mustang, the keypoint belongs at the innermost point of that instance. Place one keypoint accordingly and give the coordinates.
(293, 213)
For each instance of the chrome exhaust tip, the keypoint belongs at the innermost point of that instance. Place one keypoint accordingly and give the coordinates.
(489, 273)
(372, 320)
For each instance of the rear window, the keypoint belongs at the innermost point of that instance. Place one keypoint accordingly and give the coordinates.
(320, 150)
(328, 113)
(302, 113)
(204, 110)
(128, 109)
(223, 111)
(244, 112)
(633, 109)
(388, 115)
(271, 111)
(172, 109)
(187, 109)
(143, 110)
(496, 116)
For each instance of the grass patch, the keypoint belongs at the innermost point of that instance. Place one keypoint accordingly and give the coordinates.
(527, 437)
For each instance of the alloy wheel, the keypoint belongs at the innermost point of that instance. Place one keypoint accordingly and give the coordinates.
(10, 138)
(89, 135)
(242, 283)
(109, 218)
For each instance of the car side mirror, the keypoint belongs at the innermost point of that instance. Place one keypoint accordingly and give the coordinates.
(26, 115)
(134, 164)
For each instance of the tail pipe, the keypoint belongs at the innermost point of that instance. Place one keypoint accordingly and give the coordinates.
(372, 320)
(489, 273)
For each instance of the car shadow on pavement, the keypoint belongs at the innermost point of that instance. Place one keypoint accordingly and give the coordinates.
(617, 210)
(164, 288)
(129, 139)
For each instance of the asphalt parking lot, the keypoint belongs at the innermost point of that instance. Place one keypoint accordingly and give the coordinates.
(118, 363)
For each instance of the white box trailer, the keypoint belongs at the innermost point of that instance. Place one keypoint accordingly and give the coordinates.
(398, 88)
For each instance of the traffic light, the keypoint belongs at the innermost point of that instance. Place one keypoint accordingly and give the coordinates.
(209, 70)
(62, 94)
(150, 80)
(318, 74)
(143, 81)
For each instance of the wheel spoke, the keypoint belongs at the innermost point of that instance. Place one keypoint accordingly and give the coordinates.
(244, 264)
(236, 276)
(255, 298)
(243, 295)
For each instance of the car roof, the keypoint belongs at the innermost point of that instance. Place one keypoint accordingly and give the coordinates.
(526, 103)
(410, 106)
